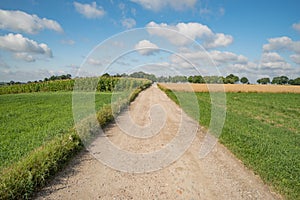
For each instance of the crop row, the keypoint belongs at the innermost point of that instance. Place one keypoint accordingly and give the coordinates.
(99, 84)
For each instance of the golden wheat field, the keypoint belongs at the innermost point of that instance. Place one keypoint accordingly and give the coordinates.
(232, 88)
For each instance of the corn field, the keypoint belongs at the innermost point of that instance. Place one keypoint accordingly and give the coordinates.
(100, 84)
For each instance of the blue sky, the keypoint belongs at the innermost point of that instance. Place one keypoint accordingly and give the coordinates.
(248, 38)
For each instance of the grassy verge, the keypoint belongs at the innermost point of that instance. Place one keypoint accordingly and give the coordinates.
(21, 178)
(262, 130)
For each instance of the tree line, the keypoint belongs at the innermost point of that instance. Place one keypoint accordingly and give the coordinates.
(279, 80)
(51, 78)
(230, 79)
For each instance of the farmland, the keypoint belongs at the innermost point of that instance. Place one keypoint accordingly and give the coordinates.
(38, 133)
(233, 88)
(29, 120)
(261, 129)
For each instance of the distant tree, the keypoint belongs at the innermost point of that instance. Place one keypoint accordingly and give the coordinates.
(106, 75)
(163, 79)
(263, 81)
(244, 80)
(196, 79)
(213, 79)
(280, 80)
(52, 78)
(69, 76)
(140, 74)
(231, 79)
(178, 79)
(294, 81)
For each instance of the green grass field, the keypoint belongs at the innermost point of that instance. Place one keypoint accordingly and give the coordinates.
(262, 130)
(31, 119)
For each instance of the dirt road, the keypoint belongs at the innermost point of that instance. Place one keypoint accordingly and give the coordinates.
(217, 176)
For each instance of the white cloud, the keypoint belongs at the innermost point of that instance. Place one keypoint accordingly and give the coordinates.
(93, 61)
(296, 26)
(272, 60)
(185, 33)
(156, 5)
(295, 58)
(218, 40)
(272, 57)
(281, 44)
(227, 57)
(128, 23)
(208, 60)
(22, 47)
(89, 10)
(24, 56)
(284, 43)
(145, 47)
(19, 21)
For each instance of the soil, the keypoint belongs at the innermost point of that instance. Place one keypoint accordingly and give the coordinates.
(218, 175)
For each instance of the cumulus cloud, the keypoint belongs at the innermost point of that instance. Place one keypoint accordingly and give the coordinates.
(24, 56)
(272, 60)
(19, 21)
(295, 58)
(145, 47)
(296, 26)
(156, 5)
(218, 40)
(184, 33)
(22, 47)
(128, 23)
(206, 58)
(282, 43)
(89, 10)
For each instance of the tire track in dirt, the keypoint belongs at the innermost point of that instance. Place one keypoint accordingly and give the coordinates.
(217, 176)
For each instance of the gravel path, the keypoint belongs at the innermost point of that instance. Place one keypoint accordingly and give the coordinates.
(219, 175)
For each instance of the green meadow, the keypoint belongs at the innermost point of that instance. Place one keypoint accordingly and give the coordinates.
(262, 130)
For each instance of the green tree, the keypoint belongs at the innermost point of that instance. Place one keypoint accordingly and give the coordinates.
(244, 80)
(231, 79)
(196, 79)
(263, 81)
(280, 80)
(294, 81)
